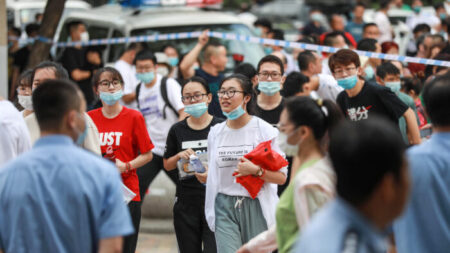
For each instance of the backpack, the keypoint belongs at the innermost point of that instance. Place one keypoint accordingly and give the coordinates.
(163, 94)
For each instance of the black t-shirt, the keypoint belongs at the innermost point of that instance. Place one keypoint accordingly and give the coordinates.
(271, 116)
(75, 58)
(373, 99)
(213, 82)
(182, 137)
(21, 58)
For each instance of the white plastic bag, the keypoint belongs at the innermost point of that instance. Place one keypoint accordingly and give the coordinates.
(128, 195)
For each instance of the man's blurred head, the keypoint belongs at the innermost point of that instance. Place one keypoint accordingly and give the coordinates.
(337, 23)
(371, 31)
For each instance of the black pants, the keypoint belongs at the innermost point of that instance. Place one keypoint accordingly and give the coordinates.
(283, 187)
(149, 171)
(130, 241)
(191, 228)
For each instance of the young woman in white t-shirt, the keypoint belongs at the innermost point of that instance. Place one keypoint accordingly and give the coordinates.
(230, 211)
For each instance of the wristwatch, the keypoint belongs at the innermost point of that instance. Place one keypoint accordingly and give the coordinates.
(260, 172)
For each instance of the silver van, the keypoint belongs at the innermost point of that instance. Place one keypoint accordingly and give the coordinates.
(112, 21)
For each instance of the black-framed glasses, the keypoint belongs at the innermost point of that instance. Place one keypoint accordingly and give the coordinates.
(348, 71)
(266, 75)
(229, 93)
(106, 83)
(196, 97)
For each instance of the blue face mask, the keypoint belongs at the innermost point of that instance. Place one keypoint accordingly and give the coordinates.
(196, 110)
(348, 83)
(268, 50)
(269, 88)
(394, 86)
(146, 77)
(173, 61)
(442, 16)
(111, 98)
(258, 31)
(10, 44)
(82, 136)
(235, 114)
(417, 9)
(369, 72)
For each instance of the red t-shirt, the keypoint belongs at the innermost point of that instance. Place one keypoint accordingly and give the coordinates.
(123, 137)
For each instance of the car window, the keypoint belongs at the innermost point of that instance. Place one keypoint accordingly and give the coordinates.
(252, 52)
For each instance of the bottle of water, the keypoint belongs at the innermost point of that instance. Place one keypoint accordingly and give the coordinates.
(196, 164)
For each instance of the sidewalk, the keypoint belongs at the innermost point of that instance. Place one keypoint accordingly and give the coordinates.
(157, 235)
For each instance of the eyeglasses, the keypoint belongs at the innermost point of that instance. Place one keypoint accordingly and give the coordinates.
(196, 97)
(106, 83)
(273, 75)
(229, 93)
(340, 72)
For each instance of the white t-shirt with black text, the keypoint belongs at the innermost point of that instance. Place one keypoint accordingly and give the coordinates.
(151, 106)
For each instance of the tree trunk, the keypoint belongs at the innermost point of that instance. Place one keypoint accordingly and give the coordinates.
(52, 14)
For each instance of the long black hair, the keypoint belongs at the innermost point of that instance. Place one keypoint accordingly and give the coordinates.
(247, 88)
(320, 115)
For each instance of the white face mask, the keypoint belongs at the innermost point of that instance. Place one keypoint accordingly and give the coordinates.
(84, 36)
(162, 71)
(26, 102)
(288, 149)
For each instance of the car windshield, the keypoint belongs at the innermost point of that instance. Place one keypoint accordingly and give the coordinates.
(251, 53)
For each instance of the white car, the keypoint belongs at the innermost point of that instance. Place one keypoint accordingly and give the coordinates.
(113, 21)
(20, 13)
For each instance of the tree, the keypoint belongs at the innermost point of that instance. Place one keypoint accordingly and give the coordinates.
(52, 14)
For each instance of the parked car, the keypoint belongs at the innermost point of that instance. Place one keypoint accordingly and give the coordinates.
(20, 13)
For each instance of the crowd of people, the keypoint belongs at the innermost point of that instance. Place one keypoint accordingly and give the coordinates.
(367, 143)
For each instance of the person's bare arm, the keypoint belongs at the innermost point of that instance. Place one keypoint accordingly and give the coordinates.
(190, 58)
(128, 98)
(246, 167)
(171, 162)
(411, 127)
(109, 245)
(79, 75)
(138, 162)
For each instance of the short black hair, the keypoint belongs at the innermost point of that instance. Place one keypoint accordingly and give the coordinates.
(355, 149)
(74, 24)
(384, 3)
(412, 84)
(272, 59)
(197, 79)
(422, 28)
(368, 25)
(436, 97)
(330, 38)
(164, 47)
(304, 59)
(32, 28)
(60, 71)
(145, 55)
(245, 69)
(367, 45)
(25, 78)
(52, 100)
(360, 4)
(278, 34)
(263, 22)
(16, 31)
(294, 84)
(387, 68)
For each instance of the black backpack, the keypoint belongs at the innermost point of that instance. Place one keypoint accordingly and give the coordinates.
(163, 94)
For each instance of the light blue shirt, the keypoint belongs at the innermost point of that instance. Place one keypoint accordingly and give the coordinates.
(425, 224)
(337, 228)
(355, 29)
(60, 198)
